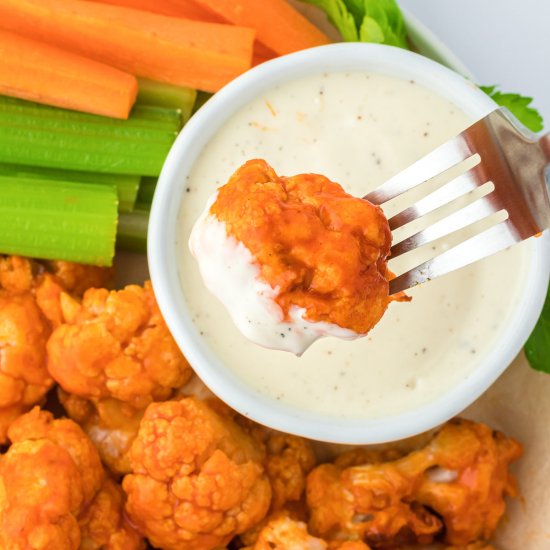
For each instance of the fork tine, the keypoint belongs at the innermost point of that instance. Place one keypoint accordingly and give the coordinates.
(456, 188)
(480, 246)
(433, 164)
(456, 221)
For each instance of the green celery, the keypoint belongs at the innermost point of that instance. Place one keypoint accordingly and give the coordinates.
(127, 186)
(156, 114)
(23, 120)
(379, 21)
(87, 153)
(132, 230)
(519, 106)
(142, 116)
(537, 347)
(167, 95)
(58, 220)
(147, 190)
(37, 135)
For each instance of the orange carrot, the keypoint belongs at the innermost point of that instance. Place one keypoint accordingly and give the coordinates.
(173, 8)
(262, 54)
(39, 72)
(188, 10)
(280, 27)
(178, 51)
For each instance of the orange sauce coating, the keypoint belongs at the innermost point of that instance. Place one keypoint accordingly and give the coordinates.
(325, 250)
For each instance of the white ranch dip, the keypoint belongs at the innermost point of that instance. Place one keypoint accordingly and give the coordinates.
(358, 130)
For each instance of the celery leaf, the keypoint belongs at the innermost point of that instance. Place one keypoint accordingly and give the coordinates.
(519, 106)
(378, 21)
(537, 347)
(339, 15)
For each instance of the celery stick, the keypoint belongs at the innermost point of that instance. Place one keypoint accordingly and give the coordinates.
(132, 230)
(126, 185)
(142, 116)
(58, 220)
(10, 120)
(23, 120)
(157, 115)
(146, 191)
(48, 137)
(82, 151)
(167, 95)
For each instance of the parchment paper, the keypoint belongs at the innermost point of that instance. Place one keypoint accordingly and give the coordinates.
(518, 404)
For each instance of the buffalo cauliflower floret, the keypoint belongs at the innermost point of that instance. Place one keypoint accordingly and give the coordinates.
(474, 546)
(197, 480)
(48, 476)
(362, 455)
(77, 278)
(30, 307)
(288, 460)
(53, 491)
(24, 378)
(55, 278)
(462, 475)
(348, 545)
(372, 510)
(111, 424)
(324, 249)
(16, 274)
(103, 525)
(24, 330)
(316, 256)
(38, 425)
(284, 533)
(116, 345)
(40, 497)
(465, 479)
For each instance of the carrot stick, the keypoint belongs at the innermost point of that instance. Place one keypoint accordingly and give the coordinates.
(262, 54)
(178, 51)
(280, 27)
(188, 10)
(39, 72)
(173, 8)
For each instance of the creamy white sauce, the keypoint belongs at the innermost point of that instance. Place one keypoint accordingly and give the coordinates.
(358, 130)
(232, 274)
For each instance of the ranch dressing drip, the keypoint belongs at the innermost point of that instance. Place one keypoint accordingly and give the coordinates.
(358, 130)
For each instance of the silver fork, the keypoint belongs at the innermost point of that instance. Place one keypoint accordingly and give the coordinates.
(501, 168)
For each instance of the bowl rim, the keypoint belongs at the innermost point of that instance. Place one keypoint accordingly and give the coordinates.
(163, 241)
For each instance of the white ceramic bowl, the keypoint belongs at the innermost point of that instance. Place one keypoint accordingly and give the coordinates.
(163, 257)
